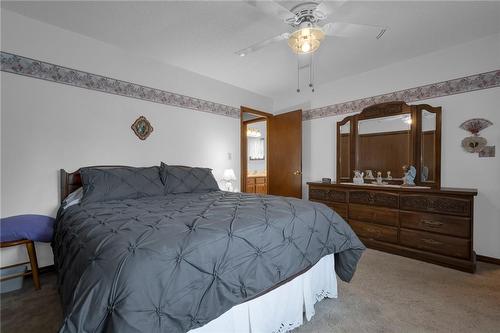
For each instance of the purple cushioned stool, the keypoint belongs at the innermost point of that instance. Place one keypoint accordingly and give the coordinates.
(26, 229)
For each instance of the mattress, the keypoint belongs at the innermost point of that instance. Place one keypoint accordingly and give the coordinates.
(174, 263)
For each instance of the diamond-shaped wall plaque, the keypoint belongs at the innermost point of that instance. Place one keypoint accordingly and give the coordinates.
(142, 128)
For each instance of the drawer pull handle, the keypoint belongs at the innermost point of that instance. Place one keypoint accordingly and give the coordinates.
(431, 223)
(431, 241)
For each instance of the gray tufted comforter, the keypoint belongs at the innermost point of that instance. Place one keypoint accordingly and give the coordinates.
(172, 263)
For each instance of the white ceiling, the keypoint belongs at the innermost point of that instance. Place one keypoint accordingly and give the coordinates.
(202, 36)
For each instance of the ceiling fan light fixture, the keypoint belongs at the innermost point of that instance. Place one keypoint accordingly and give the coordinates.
(306, 40)
(306, 47)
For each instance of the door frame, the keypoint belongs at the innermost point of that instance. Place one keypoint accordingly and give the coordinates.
(244, 143)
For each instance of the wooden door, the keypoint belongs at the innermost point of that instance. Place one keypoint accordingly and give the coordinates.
(285, 154)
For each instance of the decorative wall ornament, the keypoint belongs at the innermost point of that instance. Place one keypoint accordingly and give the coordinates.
(16, 64)
(475, 125)
(475, 143)
(445, 88)
(142, 128)
(488, 151)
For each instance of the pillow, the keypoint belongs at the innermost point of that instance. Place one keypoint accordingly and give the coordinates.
(184, 179)
(73, 198)
(118, 183)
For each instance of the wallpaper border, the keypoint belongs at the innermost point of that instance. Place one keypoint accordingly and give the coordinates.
(440, 89)
(16, 64)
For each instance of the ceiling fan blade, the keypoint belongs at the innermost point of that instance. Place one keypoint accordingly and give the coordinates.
(260, 45)
(272, 9)
(328, 7)
(352, 30)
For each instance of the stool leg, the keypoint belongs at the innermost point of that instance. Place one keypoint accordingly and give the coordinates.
(34, 264)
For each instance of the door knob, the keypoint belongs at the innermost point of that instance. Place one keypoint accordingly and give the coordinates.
(297, 173)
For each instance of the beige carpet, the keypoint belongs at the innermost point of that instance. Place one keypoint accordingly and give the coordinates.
(388, 294)
(395, 294)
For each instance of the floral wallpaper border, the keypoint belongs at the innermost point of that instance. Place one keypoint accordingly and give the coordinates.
(445, 88)
(12, 63)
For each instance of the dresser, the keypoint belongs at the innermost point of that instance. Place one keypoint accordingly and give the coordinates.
(433, 225)
(256, 184)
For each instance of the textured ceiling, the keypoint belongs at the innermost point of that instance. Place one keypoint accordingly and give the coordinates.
(203, 36)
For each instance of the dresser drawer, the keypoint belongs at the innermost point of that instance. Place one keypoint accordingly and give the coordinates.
(374, 231)
(384, 199)
(436, 204)
(374, 214)
(447, 245)
(327, 195)
(339, 208)
(250, 181)
(443, 224)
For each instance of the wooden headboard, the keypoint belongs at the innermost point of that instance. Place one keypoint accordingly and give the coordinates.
(71, 181)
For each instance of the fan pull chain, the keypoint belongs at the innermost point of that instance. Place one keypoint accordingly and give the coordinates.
(298, 74)
(311, 73)
(310, 70)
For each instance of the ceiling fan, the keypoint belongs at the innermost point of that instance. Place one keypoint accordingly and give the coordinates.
(309, 25)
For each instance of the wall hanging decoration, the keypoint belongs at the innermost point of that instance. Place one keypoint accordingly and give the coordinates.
(475, 143)
(142, 128)
(488, 151)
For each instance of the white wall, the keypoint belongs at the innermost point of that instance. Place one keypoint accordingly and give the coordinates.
(459, 169)
(46, 126)
(478, 56)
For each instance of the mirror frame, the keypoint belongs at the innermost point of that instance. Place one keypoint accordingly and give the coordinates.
(351, 153)
(437, 145)
(392, 109)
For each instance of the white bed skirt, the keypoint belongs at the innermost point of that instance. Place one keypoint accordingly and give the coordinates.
(282, 309)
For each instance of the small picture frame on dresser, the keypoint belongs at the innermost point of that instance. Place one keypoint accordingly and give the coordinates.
(326, 180)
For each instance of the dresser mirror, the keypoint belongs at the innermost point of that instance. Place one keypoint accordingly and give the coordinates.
(343, 148)
(430, 145)
(386, 138)
(384, 144)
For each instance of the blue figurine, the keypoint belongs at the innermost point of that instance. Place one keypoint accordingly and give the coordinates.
(410, 174)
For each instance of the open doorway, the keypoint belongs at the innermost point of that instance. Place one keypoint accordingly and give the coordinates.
(254, 151)
(271, 152)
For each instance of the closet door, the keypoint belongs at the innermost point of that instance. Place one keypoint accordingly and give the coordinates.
(285, 154)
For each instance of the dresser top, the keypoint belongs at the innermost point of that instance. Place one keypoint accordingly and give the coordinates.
(418, 189)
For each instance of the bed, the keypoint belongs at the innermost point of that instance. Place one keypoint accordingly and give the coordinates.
(195, 261)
